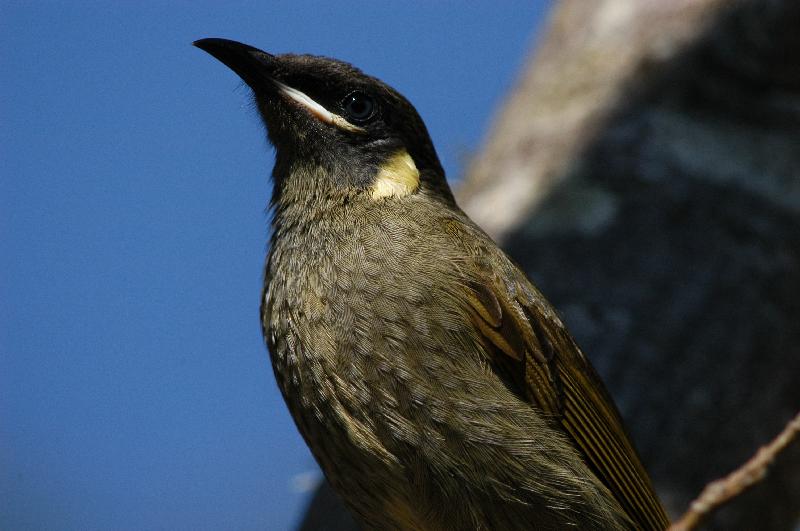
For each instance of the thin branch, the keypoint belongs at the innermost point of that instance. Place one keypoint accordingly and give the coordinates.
(721, 491)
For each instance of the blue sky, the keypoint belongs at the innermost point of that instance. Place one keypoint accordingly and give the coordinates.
(135, 390)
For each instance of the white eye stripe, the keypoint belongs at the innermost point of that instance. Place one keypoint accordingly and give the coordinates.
(317, 110)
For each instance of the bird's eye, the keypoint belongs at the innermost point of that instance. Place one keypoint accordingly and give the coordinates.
(359, 107)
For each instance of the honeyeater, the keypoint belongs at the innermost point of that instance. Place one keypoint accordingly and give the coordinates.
(434, 384)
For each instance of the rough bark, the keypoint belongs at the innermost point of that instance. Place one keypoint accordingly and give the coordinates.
(646, 173)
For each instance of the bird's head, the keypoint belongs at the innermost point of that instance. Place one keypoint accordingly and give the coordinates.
(329, 121)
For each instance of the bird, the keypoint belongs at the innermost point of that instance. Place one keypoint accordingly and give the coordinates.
(433, 382)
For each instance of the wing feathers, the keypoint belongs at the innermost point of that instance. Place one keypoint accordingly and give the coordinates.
(557, 378)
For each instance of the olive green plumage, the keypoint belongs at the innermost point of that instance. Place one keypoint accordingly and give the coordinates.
(434, 384)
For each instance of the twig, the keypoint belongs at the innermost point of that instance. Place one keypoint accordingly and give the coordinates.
(721, 491)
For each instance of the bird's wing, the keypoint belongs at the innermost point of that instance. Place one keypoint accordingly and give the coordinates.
(534, 353)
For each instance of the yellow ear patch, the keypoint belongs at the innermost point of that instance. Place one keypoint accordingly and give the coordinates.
(398, 177)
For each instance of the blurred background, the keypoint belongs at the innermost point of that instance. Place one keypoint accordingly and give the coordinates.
(135, 390)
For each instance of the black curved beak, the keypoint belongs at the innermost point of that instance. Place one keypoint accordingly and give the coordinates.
(254, 66)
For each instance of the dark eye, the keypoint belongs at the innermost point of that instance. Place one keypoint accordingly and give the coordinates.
(358, 106)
